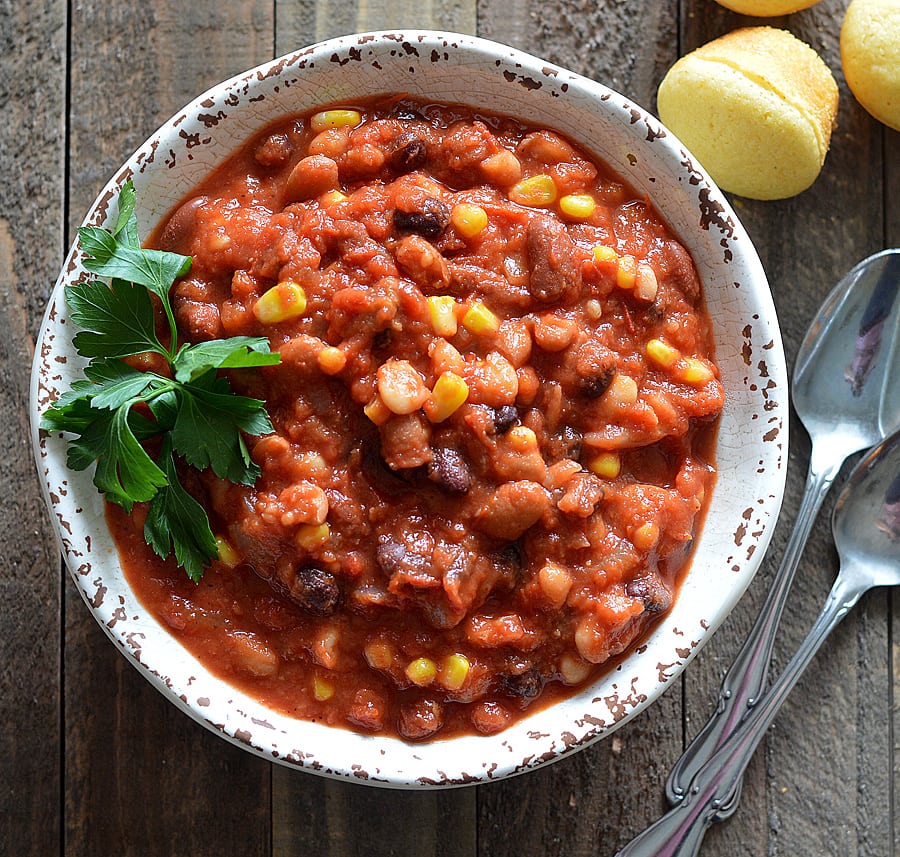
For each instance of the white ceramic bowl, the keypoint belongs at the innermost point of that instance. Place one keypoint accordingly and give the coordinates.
(752, 440)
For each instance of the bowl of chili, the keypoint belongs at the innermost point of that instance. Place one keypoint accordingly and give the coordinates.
(523, 449)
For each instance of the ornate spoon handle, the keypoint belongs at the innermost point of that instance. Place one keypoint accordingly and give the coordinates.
(680, 832)
(746, 679)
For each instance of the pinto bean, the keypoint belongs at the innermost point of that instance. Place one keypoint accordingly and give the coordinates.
(311, 176)
(512, 509)
(422, 263)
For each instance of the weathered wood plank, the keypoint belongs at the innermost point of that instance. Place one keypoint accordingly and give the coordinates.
(140, 777)
(309, 812)
(818, 787)
(595, 801)
(307, 21)
(32, 141)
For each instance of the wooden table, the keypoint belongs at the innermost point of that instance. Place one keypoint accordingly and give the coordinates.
(93, 761)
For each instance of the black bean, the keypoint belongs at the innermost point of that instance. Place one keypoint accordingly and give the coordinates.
(430, 222)
(408, 153)
(504, 418)
(449, 470)
(566, 443)
(526, 685)
(597, 383)
(315, 590)
(652, 591)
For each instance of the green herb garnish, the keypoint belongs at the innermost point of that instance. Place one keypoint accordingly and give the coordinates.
(194, 412)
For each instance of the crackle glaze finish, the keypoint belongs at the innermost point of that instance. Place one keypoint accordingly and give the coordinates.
(752, 443)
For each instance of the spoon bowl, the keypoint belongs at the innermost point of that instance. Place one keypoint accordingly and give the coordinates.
(846, 394)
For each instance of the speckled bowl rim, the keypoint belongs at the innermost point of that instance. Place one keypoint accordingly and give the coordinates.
(751, 447)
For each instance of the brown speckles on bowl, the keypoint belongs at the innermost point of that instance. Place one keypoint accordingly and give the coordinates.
(450, 67)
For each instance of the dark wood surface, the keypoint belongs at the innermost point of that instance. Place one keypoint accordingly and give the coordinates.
(95, 762)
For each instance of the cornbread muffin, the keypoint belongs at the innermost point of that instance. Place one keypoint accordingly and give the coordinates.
(766, 8)
(870, 54)
(756, 107)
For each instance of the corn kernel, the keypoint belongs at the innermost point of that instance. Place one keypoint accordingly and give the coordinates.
(480, 320)
(578, 206)
(606, 464)
(454, 671)
(227, 554)
(442, 313)
(626, 272)
(334, 119)
(449, 394)
(332, 197)
(522, 439)
(312, 536)
(536, 191)
(468, 220)
(646, 284)
(696, 372)
(377, 411)
(602, 253)
(401, 386)
(282, 302)
(646, 536)
(662, 353)
(593, 309)
(322, 690)
(331, 360)
(378, 654)
(573, 669)
(421, 671)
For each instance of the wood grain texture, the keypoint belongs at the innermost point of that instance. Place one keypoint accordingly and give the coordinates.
(32, 149)
(140, 778)
(94, 761)
(303, 22)
(806, 243)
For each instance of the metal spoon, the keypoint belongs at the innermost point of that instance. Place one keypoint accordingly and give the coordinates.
(843, 394)
(866, 527)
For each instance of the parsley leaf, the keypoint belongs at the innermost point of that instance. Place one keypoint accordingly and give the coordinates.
(188, 408)
(176, 521)
(236, 353)
(118, 319)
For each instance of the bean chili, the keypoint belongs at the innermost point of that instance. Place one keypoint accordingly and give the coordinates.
(494, 419)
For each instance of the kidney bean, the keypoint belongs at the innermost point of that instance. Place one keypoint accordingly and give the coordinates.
(429, 222)
(408, 153)
(554, 262)
(652, 591)
(420, 719)
(449, 470)
(315, 590)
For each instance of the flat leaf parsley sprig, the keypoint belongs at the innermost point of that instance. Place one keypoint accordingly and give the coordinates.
(192, 409)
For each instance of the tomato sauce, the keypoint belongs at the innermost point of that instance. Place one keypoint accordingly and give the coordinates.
(494, 419)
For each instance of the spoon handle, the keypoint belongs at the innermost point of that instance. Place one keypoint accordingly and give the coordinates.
(746, 679)
(680, 832)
